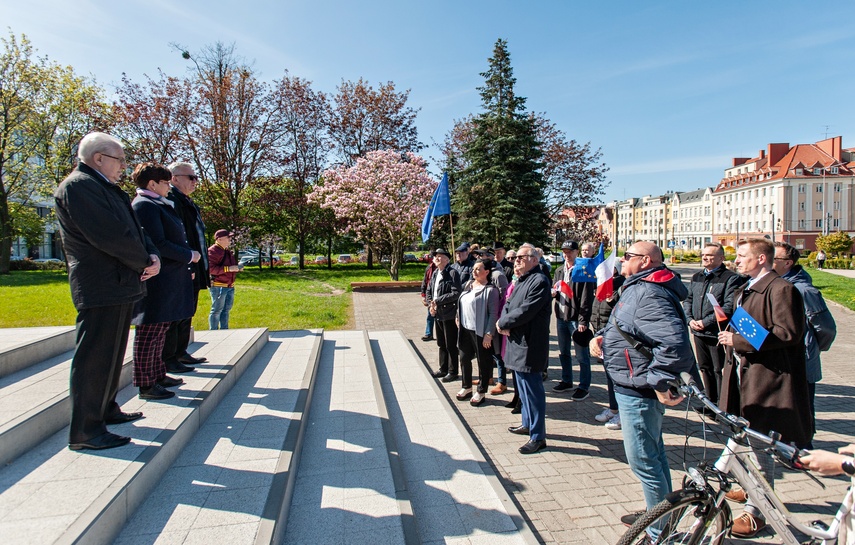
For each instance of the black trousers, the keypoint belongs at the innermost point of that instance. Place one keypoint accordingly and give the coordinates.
(471, 346)
(710, 356)
(446, 340)
(178, 334)
(102, 338)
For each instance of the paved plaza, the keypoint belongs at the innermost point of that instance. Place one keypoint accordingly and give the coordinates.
(575, 491)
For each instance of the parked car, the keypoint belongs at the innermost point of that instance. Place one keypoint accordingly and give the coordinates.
(252, 261)
(427, 258)
(295, 260)
(410, 258)
(555, 258)
(47, 260)
(345, 258)
(321, 259)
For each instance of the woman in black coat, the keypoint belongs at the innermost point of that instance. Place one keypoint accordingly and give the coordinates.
(169, 295)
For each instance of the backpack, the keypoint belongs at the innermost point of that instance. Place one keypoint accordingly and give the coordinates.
(824, 329)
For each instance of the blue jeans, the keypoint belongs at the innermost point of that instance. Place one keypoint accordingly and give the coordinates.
(222, 300)
(533, 403)
(429, 324)
(583, 355)
(641, 422)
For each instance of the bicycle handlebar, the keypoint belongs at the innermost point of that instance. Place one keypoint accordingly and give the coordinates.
(739, 425)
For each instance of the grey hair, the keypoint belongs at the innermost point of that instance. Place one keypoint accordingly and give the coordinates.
(534, 251)
(178, 164)
(96, 142)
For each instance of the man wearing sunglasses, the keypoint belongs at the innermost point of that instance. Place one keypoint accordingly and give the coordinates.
(645, 345)
(184, 182)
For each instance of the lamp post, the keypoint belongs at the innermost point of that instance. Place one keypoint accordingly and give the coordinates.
(771, 213)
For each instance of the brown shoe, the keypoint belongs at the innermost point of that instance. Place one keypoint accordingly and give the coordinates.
(747, 525)
(498, 389)
(737, 495)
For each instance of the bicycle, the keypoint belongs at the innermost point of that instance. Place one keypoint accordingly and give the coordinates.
(699, 514)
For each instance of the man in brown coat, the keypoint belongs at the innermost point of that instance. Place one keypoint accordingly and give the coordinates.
(768, 386)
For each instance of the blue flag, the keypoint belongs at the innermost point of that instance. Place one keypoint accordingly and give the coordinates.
(749, 328)
(440, 205)
(585, 268)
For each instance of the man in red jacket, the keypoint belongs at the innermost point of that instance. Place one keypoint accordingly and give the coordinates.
(224, 268)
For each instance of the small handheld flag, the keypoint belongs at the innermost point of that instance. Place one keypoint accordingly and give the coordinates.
(749, 328)
(720, 316)
(565, 295)
(605, 278)
(585, 268)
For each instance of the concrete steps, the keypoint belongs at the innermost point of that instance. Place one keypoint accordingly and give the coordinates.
(21, 347)
(53, 495)
(284, 437)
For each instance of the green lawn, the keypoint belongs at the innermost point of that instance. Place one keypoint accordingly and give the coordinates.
(839, 289)
(284, 298)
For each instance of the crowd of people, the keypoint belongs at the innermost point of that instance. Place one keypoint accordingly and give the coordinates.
(140, 262)
(495, 308)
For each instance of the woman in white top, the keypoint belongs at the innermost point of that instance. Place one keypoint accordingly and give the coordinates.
(477, 312)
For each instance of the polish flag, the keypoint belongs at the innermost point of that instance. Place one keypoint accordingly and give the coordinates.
(720, 316)
(605, 283)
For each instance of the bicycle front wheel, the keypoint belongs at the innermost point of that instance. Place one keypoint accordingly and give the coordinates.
(684, 517)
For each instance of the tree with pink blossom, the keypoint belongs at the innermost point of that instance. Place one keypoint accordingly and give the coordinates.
(381, 200)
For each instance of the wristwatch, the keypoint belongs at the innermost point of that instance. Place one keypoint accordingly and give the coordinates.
(848, 467)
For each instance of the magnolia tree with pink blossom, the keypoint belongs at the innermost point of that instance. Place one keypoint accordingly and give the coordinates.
(381, 200)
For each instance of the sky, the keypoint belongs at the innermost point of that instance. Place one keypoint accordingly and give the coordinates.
(669, 91)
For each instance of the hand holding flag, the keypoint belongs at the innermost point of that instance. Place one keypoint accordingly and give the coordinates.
(749, 328)
(720, 316)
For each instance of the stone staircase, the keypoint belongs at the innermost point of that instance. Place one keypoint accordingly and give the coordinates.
(282, 437)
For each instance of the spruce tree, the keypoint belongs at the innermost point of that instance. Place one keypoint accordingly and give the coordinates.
(500, 193)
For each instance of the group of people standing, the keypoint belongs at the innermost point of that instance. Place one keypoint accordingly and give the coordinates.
(140, 262)
(659, 329)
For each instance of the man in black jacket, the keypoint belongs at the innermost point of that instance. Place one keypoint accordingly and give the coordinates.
(184, 181)
(463, 263)
(717, 280)
(109, 257)
(525, 322)
(442, 296)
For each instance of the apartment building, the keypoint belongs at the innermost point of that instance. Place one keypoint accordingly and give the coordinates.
(692, 214)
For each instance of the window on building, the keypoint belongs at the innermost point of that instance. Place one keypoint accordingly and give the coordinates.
(819, 205)
(837, 205)
(802, 206)
(838, 187)
(802, 188)
(817, 171)
(819, 188)
(835, 170)
(799, 172)
(836, 222)
(818, 224)
(802, 224)
(764, 191)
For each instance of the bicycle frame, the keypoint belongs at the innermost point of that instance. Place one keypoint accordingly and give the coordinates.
(739, 461)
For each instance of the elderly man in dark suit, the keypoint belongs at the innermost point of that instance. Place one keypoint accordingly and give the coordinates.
(184, 181)
(525, 322)
(766, 385)
(109, 257)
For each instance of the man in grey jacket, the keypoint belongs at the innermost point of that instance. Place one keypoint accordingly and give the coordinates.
(820, 329)
(109, 257)
(646, 345)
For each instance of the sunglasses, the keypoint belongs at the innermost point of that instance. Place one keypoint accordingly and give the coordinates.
(192, 177)
(630, 255)
(522, 256)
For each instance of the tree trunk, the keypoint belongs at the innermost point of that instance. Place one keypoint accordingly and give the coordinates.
(371, 258)
(329, 252)
(5, 235)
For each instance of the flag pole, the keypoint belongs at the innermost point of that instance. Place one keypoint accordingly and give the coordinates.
(451, 223)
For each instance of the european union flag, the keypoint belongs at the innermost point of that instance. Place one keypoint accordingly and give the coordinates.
(585, 268)
(749, 328)
(440, 205)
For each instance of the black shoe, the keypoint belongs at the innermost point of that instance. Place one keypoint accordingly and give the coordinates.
(630, 518)
(519, 430)
(175, 366)
(121, 418)
(517, 408)
(511, 404)
(169, 382)
(533, 446)
(427, 338)
(450, 377)
(579, 394)
(562, 386)
(155, 392)
(187, 359)
(103, 441)
(438, 374)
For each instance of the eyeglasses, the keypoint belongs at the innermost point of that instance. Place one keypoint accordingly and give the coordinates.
(782, 259)
(191, 177)
(522, 256)
(121, 160)
(630, 255)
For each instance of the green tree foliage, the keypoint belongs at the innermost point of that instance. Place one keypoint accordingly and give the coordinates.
(500, 194)
(45, 109)
(835, 243)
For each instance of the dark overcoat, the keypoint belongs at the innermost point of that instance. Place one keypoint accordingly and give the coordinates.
(194, 228)
(773, 394)
(104, 244)
(169, 294)
(527, 313)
